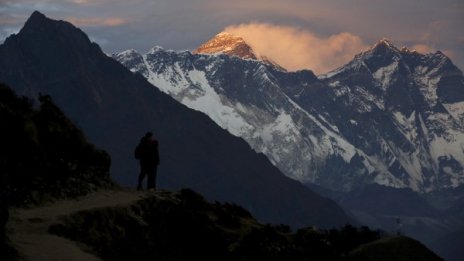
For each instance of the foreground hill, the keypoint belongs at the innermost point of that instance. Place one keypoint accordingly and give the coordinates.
(130, 225)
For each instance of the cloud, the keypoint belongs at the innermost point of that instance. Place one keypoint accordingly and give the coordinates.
(87, 2)
(426, 49)
(115, 21)
(80, 2)
(297, 49)
(423, 48)
(181, 24)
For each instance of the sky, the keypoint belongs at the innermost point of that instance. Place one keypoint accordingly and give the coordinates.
(319, 35)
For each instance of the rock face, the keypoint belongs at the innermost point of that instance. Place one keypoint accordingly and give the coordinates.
(115, 108)
(391, 117)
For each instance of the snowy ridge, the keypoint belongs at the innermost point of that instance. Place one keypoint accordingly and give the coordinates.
(396, 127)
(426, 147)
(270, 121)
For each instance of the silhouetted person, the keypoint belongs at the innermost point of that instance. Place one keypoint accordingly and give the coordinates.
(147, 153)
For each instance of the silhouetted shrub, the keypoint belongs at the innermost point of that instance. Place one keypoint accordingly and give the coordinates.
(183, 226)
(43, 154)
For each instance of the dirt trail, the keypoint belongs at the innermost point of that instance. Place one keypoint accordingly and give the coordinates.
(28, 228)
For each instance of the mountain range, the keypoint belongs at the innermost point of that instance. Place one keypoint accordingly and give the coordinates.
(58, 203)
(386, 127)
(383, 135)
(391, 116)
(115, 108)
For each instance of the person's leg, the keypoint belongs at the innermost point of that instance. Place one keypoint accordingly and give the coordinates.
(141, 177)
(151, 181)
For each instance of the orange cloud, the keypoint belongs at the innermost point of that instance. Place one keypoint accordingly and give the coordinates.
(97, 21)
(423, 48)
(451, 54)
(85, 2)
(461, 40)
(297, 49)
(79, 1)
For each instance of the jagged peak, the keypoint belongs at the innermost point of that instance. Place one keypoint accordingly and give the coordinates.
(40, 28)
(386, 41)
(37, 15)
(227, 34)
(156, 49)
(228, 44)
(224, 38)
(35, 19)
(159, 49)
(405, 49)
(384, 53)
(233, 45)
(129, 52)
(381, 47)
(383, 44)
(441, 54)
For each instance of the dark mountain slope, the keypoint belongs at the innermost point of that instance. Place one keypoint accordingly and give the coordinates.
(115, 108)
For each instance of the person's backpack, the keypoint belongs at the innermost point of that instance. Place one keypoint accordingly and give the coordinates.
(138, 151)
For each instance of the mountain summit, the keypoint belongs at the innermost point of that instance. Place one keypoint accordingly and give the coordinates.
(232, 45)
(228, 44)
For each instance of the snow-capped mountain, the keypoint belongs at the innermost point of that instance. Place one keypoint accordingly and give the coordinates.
(245, 97)
(232, 45)
(229, 44)
(392, 117)
(405, 110)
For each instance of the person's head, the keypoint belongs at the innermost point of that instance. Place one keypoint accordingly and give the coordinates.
(148, 135)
